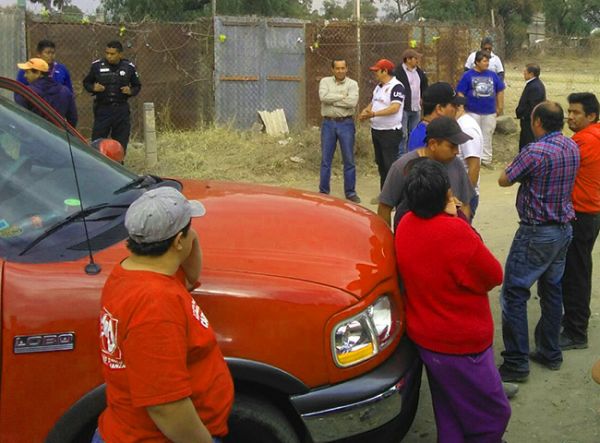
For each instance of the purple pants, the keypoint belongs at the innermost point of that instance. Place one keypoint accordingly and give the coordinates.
(467, 395)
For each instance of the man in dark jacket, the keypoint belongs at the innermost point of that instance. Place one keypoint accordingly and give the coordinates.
(112, 80)
(534, 93)
(415, 82)
(58, 96)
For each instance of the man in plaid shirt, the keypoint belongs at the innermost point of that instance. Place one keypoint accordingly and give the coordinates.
(546, 170)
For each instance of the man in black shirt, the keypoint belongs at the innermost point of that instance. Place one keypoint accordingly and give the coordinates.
(112, 80)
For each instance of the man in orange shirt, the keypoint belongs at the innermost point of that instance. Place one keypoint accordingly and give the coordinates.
(166, 379)
(577, 280)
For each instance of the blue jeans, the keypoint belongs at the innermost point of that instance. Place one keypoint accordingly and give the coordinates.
(538, 253)
(331, 132)
(97, 439)
(410, 120)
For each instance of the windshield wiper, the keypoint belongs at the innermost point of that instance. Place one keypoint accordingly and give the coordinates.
(138, 182)
(79, 214)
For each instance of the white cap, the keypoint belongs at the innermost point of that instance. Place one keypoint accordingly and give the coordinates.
(160, 214)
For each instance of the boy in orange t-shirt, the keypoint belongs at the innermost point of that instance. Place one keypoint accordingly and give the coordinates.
(166, 379)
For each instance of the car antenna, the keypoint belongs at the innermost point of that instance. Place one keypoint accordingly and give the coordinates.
(92, 268)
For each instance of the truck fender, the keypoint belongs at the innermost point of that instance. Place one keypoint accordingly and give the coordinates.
(260, 373)
(80, 418)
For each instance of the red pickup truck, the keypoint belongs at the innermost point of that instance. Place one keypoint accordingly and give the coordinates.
(301, 290)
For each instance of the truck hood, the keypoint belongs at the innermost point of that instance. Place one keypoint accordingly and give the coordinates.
(293, 234)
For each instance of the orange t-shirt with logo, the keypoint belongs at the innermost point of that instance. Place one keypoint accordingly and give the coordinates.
(157, 347)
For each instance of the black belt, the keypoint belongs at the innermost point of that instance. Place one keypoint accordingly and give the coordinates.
(338, 119)
(550, 223)
(111, 103)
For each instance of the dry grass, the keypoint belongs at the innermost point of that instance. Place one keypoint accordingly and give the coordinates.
(223, 152)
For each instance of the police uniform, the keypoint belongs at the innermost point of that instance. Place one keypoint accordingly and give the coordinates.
(111, 111)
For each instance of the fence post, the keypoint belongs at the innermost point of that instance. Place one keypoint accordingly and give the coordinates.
(151, 156)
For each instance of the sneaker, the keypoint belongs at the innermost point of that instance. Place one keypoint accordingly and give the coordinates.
(541, 360)
(510, 389)
(566, 343)
(353, 198)
(511, 375)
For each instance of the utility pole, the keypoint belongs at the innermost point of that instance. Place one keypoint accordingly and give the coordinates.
(358, 45)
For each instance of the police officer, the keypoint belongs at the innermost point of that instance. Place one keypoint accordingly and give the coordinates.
(112, 80)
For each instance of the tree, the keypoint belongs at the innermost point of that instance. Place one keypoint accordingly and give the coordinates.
(400, 9)
(136, 10)
(188, 9)
(571, 17)
(515, 14)
(334, 10)
(58, 4)
(72, 13)
(272, 8)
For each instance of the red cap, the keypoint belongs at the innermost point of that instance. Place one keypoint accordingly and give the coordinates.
(110, 148)
(384, 63)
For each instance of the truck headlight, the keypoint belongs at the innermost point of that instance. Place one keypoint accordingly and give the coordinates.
(362, 336)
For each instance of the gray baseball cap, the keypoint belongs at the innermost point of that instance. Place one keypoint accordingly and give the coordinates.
(159, 214)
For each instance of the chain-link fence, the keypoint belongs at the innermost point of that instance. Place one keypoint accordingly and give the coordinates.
(444, 49)
(175, 62)
(228, 69)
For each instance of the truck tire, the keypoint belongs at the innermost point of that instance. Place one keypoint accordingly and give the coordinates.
(255, 420)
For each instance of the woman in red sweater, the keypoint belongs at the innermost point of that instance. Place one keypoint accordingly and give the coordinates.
(447, 272)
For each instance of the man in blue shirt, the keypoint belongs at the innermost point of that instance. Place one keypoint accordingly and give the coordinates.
(484, 92)
(439, 100)
(46, 50)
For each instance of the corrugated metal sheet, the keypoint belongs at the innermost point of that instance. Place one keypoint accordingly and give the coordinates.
(259, 65)
(12, 43)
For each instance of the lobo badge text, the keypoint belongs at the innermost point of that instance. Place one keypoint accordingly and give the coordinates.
(27, 344)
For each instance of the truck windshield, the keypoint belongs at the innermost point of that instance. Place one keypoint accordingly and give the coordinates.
(37, 180)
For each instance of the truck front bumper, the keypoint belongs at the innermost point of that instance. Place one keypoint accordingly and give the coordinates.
(380, 403)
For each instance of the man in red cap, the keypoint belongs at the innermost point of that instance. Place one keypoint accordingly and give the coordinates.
(385, 113)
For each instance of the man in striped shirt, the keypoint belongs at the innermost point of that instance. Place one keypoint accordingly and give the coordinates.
(546, 170)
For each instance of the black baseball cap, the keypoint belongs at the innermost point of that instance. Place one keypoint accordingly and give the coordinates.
(446, 128)
(441, 93)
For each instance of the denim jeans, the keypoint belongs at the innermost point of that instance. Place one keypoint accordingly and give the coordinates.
(333, 131)
(97, 439)
(537, 254)
(410, 119)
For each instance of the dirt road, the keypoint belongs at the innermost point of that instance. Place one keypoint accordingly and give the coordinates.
(552, 406)
(562, 406)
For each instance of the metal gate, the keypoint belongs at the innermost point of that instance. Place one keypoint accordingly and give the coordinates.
(259, 65)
